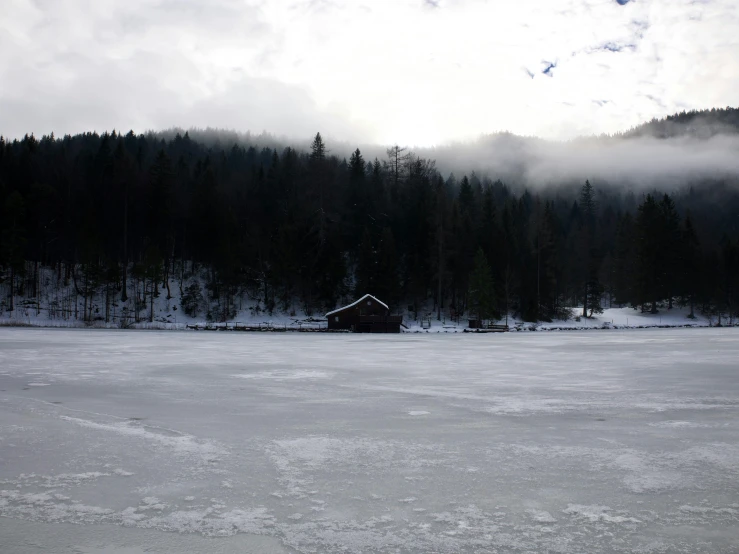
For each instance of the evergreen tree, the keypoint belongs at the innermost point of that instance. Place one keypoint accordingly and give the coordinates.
(318, 150)
(482, 288)
(466, 196)
(13, 241)
(160, 213)
(594, 295)
(625, 263)
(670, 241)
(387, 284)
(589, 252)
(365, 274)
(548, 271)
(647, 234)
(588, 204)
(356, 166)
(691, 259)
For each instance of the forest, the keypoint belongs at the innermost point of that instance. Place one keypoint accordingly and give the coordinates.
(101, 225)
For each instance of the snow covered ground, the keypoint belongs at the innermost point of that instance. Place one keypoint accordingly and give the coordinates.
(622, 441)
(168, 314)
(611, 318)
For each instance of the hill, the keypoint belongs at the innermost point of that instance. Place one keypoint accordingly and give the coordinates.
(234, 221)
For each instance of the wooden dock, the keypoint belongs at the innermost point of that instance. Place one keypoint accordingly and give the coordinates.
(489, 329)
(308, 326)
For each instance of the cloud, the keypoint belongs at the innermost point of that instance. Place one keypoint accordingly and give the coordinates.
(641, 162)
(155, 65)
(614, 47)
(401, 71)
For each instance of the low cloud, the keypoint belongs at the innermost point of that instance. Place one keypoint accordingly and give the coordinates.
(666, 155)
(637, 161)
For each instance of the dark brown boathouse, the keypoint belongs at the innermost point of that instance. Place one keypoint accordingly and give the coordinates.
(366, 315)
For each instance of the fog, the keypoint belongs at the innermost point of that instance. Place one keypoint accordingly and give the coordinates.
(640, 158)
(642, 161)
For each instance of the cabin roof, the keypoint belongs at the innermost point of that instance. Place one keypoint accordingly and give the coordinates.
(337, 310)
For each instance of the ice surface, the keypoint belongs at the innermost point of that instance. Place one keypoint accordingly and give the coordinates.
(616, 441)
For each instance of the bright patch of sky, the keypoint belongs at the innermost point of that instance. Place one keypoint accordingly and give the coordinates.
(416, 72)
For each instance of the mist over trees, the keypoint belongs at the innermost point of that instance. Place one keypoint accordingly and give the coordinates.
(120, 219)
(695, 123)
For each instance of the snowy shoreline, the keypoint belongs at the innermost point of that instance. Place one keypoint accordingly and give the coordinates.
(298, 325)
(59, 306)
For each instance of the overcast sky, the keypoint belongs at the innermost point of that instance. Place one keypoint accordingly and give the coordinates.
(417, 72)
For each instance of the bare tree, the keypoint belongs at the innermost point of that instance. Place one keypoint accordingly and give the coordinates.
(397, 163)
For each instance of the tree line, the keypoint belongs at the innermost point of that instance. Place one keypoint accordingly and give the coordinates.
(122, 218)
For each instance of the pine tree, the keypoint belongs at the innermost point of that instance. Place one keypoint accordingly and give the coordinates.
(13, 240)
(466, 196)
(587, 203)
(594, 292)
(366, 266)
(669, 248)
(387, 282)
(319, 180)
(648, 253)
(123, 178)
(625, 272)
(318, 150)
(589, 254)
(356, 166)
(440, 216)
(691, 261)
(482, 288)
(465, 240)
(160, 212)
(730, 275)
(547, 268)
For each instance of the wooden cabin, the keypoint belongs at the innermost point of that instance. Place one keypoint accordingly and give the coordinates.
(366, 315)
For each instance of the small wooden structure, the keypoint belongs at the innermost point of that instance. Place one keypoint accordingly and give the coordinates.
(366, 315)
(487, 327)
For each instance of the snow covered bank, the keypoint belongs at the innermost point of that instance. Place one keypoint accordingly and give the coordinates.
(59, 305)
(611, 318)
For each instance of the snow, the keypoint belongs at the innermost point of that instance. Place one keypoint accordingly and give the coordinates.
(619, 441)
(611, 318)
(356, 302)
(168, 314)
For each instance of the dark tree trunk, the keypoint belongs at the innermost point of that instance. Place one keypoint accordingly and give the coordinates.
(124, 293)
(12, 287)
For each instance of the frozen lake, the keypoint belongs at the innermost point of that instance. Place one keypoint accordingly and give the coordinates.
(601, 441)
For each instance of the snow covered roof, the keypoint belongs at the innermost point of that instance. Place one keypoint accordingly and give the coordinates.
(357, 302)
